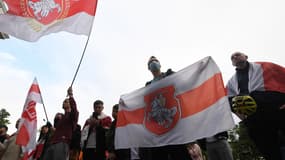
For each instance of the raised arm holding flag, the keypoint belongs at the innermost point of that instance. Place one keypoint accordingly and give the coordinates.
(59, 142)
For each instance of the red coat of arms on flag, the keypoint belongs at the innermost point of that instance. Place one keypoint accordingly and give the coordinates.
(45, 11)
(162, 110)
(31, 19)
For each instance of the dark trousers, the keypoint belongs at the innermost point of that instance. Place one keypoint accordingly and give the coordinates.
(57, 151)
(123, 154)
(264, 128)
(171, 152)
(91, 154)
(267, 124)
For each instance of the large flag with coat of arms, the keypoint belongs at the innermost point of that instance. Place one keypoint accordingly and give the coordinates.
(181, 108)
(31, 19)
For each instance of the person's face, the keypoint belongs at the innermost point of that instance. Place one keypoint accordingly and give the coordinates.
(44, 129)
(114, 113)
(66, 106)
(98, 108)
(154, 67)
(238, 59)
(58, 116)
(2, 131)
(17, 123)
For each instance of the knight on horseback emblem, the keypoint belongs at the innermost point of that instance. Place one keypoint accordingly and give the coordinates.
(44, 13)
(42, 8)
(162, 111)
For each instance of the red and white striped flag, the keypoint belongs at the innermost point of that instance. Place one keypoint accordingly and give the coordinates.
(264, 76)
(31, 19)
(181, 108)
(27, 130)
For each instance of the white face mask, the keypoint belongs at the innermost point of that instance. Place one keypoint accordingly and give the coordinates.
(154, 66)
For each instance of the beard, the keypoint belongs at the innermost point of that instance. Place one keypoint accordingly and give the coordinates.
(241, 64)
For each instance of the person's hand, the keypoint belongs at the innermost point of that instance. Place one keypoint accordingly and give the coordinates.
(93, 121)
(111, 156)
(70, 91)
(283, 106)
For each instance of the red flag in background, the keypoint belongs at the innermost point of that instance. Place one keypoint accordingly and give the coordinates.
(31, 19)
(27, 129)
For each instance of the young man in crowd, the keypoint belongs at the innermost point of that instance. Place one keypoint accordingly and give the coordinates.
(93, 139)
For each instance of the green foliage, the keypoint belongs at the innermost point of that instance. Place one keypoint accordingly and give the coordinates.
(243, 148)
(4, 115)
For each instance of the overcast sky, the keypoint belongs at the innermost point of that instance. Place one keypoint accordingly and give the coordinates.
(125, 34)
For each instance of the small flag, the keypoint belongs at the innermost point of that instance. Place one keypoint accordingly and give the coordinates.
(27, 129)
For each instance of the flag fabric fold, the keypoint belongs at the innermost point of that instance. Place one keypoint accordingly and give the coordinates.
(31, 19)
(181, 108)
(263, 76)
(27, 130)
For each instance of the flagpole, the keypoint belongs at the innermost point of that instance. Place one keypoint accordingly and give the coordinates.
(44, 109)
(44, 106)
(3, 6)
(90, 30)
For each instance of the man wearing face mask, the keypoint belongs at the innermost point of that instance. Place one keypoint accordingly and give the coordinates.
(169, 152)
(154, 66)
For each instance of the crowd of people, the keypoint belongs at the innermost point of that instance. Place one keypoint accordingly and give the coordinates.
(67, 140)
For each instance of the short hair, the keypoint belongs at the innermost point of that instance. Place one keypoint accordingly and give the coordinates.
(97, 102)
(237, 53)
(58, 114)
(4, 126)
(66, 100)
(116, 107)
(152, 58)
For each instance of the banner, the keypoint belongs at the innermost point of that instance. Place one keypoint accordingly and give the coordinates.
(27, 130)
(263, 76)
(188, 105)
(31, 19)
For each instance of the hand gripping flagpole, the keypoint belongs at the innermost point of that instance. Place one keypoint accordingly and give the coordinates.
(90, 30)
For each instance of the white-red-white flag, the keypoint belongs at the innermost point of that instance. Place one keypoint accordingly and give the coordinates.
(27, 130)
(31, 19)
(263, 76)
(188, 105)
